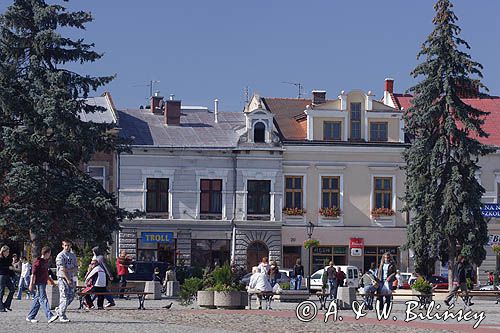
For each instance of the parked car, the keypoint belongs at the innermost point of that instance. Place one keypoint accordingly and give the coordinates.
(282, 278)
(351, 277)
(439, 282)
(144, 270)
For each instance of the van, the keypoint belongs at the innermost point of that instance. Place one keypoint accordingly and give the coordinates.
(351, 277)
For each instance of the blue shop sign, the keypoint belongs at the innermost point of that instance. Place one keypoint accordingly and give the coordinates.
(157, 237)
(491, 210)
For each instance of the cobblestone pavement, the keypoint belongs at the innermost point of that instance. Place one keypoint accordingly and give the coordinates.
(125, 318)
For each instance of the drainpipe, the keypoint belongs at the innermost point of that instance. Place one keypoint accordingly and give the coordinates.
(233, 225)
(117, 170)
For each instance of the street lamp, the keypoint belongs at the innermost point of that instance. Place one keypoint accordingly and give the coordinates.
(309, 230)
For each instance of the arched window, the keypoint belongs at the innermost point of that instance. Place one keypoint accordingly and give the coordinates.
(259, 132)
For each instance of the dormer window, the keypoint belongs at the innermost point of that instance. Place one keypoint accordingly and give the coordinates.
(259, 132)
(355, 121)
(332, 130)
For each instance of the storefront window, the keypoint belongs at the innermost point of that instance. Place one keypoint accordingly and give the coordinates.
(164, 252)
(374, 254)
(322, 255)
(209, 252)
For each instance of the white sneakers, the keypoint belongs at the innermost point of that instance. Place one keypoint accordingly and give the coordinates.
(33, 321)
(64, 320)
(53, 318)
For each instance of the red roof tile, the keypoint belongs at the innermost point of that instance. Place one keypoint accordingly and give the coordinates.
(284, 110)
(489, 104)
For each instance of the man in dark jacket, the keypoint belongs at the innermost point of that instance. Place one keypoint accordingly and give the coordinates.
(459, 280)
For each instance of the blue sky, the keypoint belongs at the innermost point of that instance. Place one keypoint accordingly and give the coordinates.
(201, 50)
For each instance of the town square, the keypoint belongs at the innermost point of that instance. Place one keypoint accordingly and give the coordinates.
(245, 167)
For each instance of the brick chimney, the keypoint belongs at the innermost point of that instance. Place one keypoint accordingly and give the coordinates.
(172, 112)
(388, 90)
(156, 101)
(319, 97)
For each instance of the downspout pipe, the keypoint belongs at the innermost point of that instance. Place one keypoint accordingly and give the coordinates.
(233, 224)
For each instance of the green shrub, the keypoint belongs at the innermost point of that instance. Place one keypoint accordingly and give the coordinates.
(85, 262)
(189, 289)
(222, 275)
(422, 286)
(285, 285)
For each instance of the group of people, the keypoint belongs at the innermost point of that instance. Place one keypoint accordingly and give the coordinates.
(36, 277)
(380, 281)
(333, 278)
(264, 278)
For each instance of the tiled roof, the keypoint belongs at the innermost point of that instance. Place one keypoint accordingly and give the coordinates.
(489, 104)
(284, 110)
(197, 129)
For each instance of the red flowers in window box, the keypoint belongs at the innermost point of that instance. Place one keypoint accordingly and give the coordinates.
(377, 212)
(330, 212)
(294, 211)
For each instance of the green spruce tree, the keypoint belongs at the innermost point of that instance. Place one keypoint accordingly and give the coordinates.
(45, 194)
(442, 192)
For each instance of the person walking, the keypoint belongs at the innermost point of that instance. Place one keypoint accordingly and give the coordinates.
(386, 275)
(122, 263)
(298, 272)
(331, 273)
(340, 277)
(273, 273)
(66, 267)
(459, 281)
(39, 279)
(6, 275)
(24, 279)
(16, 263)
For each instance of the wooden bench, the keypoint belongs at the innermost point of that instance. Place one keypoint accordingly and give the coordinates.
(79, 289)
(323, 298)
(267, 296)
(141, 295)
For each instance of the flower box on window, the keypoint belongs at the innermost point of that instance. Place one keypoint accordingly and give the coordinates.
(330, 212)
(294, 211)
(380, 212)
(496, 248)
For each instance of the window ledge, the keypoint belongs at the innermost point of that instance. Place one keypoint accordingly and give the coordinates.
(384, 221)
(211, 216)
(331, 221)
(259, 217)
(294, 219)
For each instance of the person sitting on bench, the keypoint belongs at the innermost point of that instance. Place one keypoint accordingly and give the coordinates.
(259, 282)
(96, 278)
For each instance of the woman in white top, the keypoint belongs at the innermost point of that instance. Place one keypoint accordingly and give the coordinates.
(96, 277)
(264, 266)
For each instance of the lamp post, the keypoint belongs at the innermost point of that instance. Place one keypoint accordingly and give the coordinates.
(309, 230)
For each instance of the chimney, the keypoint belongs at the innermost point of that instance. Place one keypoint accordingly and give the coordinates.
(216, 110)
(388, 90)
(369, 100)
(156, 101)
(172, 112)
(319, 97)
(343, 100)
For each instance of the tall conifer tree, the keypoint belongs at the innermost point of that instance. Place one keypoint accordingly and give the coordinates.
(43, 143)
(442, 191)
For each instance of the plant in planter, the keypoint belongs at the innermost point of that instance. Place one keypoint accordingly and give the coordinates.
(285, 285)
(496, 249)
(227, 289)
(311, 243)
(422, 286)
(294, 211)
(377, 212)
(189, 289)
(331, 212)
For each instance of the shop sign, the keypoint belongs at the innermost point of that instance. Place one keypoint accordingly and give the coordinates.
(322, 250)
(491, 210)
(340, 250)
(494, 239)
(156, 237)
(391, 250)
(357, 243)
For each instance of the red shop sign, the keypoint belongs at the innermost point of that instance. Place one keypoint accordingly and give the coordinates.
(357, 243)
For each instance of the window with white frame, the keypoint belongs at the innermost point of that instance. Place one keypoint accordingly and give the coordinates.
(382, 192)
(98, 173)
(259, 197)
(330, 192)
(378, 131)
(210, 197)
(157, 195)
(294, 192)
(355, 121)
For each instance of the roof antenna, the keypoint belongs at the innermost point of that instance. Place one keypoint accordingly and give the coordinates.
(245, 94)
(299, 86)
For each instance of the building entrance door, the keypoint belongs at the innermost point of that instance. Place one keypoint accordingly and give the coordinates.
(255, 252)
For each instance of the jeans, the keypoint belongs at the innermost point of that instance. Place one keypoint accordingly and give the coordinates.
(385, 290)
(23, 284)
(369, 291)
(123, 283)
(298, 282)
(6, 281)
(456, 287)
(273, 282)
(333, 288)
(40, 300)
(66, 295)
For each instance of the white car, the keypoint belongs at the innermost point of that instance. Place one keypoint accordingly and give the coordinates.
(351, 277)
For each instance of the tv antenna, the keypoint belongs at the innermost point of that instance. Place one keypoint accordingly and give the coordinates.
(299, 86)
(150, 85)
(245, 94)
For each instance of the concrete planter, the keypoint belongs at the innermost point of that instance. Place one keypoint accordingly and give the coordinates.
(53, 295)
(205, 299)
(229, 299)
(153, 287)
(345, 297)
